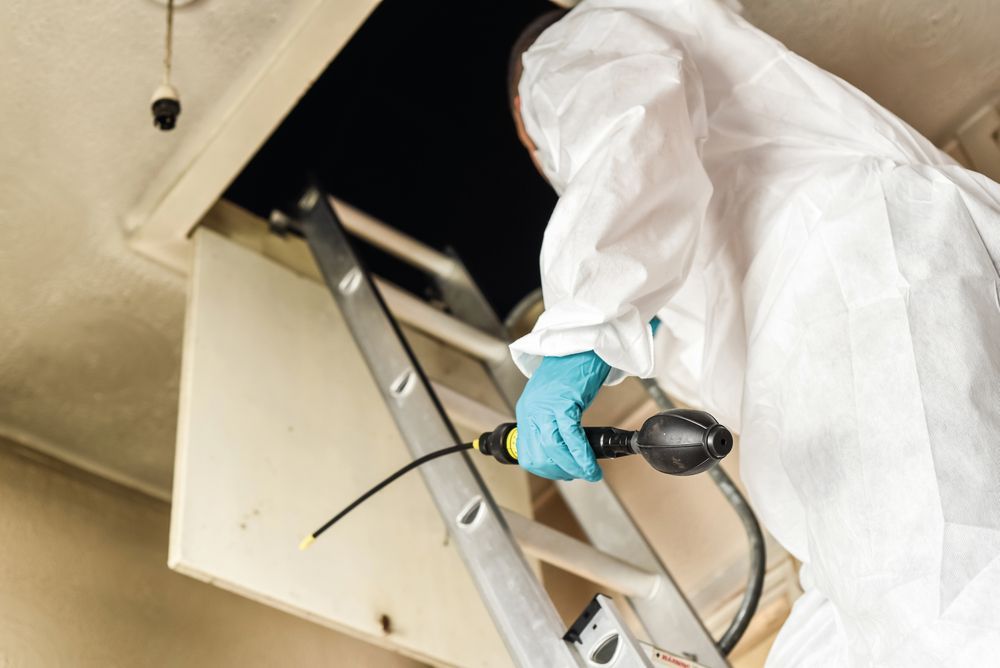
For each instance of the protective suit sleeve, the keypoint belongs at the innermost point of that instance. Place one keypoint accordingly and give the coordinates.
(617, 114)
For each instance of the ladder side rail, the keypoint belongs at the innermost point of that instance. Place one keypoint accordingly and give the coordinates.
(667, 617)
(519, 606)
(460, 292)
(391, 240)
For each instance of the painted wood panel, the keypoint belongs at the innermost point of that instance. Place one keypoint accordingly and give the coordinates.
(280, 427)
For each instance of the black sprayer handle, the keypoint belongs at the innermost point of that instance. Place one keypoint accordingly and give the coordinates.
(679, 441)
(606, 442)
(610, 442)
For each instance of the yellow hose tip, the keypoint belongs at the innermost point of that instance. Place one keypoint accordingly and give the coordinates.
(306, 542)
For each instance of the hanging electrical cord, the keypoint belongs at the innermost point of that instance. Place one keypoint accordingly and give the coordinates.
(168, 51)
(308, 540)
(166, 104)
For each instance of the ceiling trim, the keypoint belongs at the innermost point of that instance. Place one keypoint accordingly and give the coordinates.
(159, 226)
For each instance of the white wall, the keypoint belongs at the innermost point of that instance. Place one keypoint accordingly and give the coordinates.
(84, 582)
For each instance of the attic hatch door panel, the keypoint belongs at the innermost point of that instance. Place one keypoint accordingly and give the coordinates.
(280, 426)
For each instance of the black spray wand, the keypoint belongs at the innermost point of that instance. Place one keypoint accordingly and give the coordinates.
(680, 441)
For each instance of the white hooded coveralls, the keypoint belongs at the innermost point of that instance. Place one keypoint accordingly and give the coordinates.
(827, 281)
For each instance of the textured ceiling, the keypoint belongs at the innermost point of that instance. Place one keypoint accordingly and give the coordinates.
(932, 62)
(90, 343)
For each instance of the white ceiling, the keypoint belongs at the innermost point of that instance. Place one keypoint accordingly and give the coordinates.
(933, 62)
(90, 342)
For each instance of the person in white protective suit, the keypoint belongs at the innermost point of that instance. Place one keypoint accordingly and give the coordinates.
(827, 285)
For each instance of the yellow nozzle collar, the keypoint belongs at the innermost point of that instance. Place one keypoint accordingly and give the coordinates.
(512, 443)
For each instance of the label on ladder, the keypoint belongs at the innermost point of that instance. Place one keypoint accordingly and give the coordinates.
(602, 638)
(660, 657)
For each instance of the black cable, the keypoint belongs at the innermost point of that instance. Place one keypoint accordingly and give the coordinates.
(168, 54)
(757, 558)
(307, 541)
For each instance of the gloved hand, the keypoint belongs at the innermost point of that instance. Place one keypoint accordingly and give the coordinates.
(550, 440)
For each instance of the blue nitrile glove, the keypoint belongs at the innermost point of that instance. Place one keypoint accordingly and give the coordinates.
(550, 440)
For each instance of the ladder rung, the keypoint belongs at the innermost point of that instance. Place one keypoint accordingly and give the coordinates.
(522, 611)
(620, 559)
(440, 325)
(574, 556)
(468, 412)
(393, 241)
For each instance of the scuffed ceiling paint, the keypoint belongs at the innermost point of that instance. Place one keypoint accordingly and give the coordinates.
(91, 335)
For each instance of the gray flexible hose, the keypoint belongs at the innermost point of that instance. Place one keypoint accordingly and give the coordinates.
(755, 538)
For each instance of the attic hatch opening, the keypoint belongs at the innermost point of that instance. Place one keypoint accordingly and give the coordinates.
(410, 124)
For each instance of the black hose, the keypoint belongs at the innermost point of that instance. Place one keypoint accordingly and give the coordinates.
(364, 497)
(755, 581)
(755, 538)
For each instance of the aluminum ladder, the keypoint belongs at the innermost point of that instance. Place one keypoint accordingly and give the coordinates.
(490, 539)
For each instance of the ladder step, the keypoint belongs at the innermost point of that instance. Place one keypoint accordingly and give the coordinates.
(574, 556)
(392, 241)
(456, 333)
